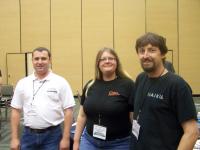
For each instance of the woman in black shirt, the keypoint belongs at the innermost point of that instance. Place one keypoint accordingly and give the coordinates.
(106, 107)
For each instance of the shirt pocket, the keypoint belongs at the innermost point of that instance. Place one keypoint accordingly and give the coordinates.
(52, 94)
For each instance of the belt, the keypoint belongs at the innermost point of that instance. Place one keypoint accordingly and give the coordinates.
(41, 130)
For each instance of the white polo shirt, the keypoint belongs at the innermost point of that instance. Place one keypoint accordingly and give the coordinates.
(43, 101)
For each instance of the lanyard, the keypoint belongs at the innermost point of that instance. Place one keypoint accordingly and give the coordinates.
(35, 92)
(144, 93)
(143, 96)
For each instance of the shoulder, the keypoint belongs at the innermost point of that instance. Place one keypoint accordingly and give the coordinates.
(90, 82)
(56, 78)
(26, 79)
(177, 81)
(24, 83)
(59, 81)
(125, 80)
(141, 78)
(88, 85)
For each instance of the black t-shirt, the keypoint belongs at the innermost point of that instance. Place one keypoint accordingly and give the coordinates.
(109, 103)
(165, 103)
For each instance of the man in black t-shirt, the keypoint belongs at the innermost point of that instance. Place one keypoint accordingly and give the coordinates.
(163, 107)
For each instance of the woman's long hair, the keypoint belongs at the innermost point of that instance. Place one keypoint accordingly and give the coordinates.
(120, 73)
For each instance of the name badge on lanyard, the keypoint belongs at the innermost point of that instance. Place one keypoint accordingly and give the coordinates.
(135, 128)
(99, 131)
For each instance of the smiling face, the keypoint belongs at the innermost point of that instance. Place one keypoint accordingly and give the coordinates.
(151, 58)
(41, 63)
(107, 64)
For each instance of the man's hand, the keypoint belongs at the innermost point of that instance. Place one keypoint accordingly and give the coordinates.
(76, 146)
(64, 144)
(15, 144)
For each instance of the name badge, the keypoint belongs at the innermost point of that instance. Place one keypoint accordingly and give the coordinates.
(135, 128)
(99, 132)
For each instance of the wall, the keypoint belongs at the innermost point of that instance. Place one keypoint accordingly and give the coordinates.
(76, 30)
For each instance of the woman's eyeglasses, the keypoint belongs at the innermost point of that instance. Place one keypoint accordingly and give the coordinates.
(104, 59)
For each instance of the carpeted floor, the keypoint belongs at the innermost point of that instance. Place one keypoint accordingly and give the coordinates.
(4, 143)
(5, 131)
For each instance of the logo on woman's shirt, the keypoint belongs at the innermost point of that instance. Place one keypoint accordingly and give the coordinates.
(113, 93)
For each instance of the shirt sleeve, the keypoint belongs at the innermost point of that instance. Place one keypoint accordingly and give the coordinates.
(67, 96)
(183, 102)
(16, 101)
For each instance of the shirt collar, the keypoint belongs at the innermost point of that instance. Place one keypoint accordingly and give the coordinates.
(48, 77)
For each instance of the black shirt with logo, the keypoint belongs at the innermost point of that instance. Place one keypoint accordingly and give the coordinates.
(108, 103)
(161, 105)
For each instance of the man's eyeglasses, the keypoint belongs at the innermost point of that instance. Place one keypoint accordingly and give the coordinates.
(104, 59)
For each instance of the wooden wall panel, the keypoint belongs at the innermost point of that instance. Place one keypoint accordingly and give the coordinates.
(189, 36)
(13, 75)
(161, 18)
(29, 64)
(9, 32)
(76, 30)
(66, 41)
(97, 32)
(35, 24)
(129, 24)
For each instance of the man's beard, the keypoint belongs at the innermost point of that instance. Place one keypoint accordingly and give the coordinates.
(148, 69)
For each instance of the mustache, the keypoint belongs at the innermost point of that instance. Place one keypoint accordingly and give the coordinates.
(146, 60)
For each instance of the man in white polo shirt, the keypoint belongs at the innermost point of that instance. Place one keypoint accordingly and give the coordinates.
(46, 100)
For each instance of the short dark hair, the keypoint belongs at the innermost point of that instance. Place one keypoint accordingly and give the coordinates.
(40, 49)
(154, 40)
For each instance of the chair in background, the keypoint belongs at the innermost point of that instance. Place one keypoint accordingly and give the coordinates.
(6, 97)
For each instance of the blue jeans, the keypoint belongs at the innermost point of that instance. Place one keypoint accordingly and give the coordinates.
(49, 140)
(90, 143)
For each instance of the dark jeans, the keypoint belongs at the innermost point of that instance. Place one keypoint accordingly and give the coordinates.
(48, 140)
(133, 142)
(90, 143)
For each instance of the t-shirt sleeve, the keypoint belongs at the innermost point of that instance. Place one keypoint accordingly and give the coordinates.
(183, 103)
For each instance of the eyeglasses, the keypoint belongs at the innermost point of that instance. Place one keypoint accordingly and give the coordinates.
(104, 59)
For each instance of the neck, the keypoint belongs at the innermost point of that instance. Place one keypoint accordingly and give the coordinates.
(158, 73)
(109, 77)
(41, 76)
